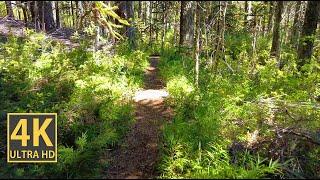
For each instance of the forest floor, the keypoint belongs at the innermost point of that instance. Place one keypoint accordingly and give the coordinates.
(138, 154)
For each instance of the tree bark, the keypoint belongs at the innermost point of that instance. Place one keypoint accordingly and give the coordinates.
(275, 49)
(46, 15)
(296, 25)
(72, 13)
(182, 22)
(248, 12)
(186, 24)
(57, 14)
(9, 9)
(308, 31)
(24, 11)
(270, 19)
(131, 29)
(197, 19)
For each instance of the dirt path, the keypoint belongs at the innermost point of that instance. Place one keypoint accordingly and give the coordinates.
(137, 156)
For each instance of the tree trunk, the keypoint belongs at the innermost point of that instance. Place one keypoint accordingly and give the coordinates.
(270, 19)
(219, 48)
(186, 24)
(164, 22)
(77, 13)
(139, 9)
(150, 22)
(46, 15)
(72, 13)
(296, 25)
(182, 22)
(131, 29)
(9, 9)
(57, 14)
(308, 31)
(197, 19)
(275, 49)
(248, 12)
(24, 11)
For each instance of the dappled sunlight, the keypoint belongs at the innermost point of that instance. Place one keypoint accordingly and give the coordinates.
(150, 94)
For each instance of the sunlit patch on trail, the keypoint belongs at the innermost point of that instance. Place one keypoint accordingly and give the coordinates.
(150, 94)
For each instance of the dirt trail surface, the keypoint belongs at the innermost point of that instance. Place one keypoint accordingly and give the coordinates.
(137, 156)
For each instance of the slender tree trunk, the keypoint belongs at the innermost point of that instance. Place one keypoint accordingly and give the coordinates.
(24, 12)
(308, 32)
(77, 13)
(220, 49)
(57, 14)
(131, 29)
(9, 9)
(182, 22)
(140, 9)
(270, 19)
(72, 13)
(150, 22)
(46, 15)
(286, 36)
(197, 20)
(164, 18)
(248, 12)
(296, 25)
(275, 49)
(264, 19)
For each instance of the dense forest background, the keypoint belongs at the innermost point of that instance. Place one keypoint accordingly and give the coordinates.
(243, 79)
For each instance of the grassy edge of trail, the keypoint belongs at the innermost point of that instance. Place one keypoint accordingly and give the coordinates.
(90, 91)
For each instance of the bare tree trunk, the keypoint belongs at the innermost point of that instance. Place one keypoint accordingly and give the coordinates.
(275, 49)
(264, 20)
(270, 19)
(296, 25)
(77, 13)
(131, 29)
(46, 15)
(286, 33)
(139, 9)
(308, 31)
(57, 14)
(220, 49)
(9, 9)
(248, 12)
(24, 11)
(72, 13)
(197, 20)
(182, 22)
(150, 22)
(164, 18)
(186, 24)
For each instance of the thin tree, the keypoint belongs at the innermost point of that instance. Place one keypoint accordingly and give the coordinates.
(247, 16)
(9, 9)
(57, 14)
(308, 31)
(270, 18)
(182, 22)
(197, 19)
(296, 25)
(45, 14)
(275, 49)
(131, 29)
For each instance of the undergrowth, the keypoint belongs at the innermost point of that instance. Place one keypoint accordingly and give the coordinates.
(90, 90)
(244, 121)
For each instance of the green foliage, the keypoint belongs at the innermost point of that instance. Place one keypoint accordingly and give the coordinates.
(231, 127)
(90, 91)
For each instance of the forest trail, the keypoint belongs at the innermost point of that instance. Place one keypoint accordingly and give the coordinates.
(137, 156)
